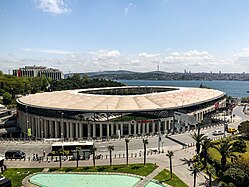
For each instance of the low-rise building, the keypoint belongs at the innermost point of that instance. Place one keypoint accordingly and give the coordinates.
(34, 71)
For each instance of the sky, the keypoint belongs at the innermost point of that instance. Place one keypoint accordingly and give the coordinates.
(80, 36)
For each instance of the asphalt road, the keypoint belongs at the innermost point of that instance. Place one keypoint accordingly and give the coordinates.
(135, 144)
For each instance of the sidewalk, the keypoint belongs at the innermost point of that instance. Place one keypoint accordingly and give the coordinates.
(150, 177)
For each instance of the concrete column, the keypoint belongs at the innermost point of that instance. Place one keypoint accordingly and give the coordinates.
(68, 129)
(56, 128)
(88, 130)
(62, 135)
(112, 129)
(46, 128)
(135, 128)
(94, 130)
(76, 130)
(81, 130)
(148, 128)
(32, 126)
(37, 127)
(143, 127)
(122, 129)
(117, 128)
(71, 130)
(107, 130)
(165, 127)
(100, 130)
(139, 128)
(42, 128)
(153, 127)
(129, 128)
(50, 128)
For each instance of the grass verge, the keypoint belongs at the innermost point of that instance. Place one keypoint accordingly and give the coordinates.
(164, 176)
(137, 169)
(16, 175)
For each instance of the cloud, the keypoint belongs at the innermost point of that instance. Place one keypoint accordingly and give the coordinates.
(103, 59)
(105, 54)
(53, 6)
(56, 52)
(242, 58)
(49, 51)
(193, 57)
(127, 9)
(147, 55)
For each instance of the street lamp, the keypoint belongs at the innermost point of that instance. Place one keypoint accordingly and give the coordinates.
(27, 121)
(62, 136)
(162, 147)
(159, 131)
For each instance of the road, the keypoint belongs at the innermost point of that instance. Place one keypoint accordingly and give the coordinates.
(181, 156)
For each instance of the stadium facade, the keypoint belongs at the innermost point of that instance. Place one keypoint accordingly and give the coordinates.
(120, 111)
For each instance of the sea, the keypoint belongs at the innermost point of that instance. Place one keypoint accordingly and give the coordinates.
(232, 88)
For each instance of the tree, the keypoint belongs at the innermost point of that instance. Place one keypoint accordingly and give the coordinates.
(145, 142)
(199, 138)
(206, 144)
(93, 150)
(60, 152)
(7, 98)
(127, 149)
(244, 128)
(227, 148)
(77, 156)
(195, 169)
(170, 154)
(110, 148)
(238, 173)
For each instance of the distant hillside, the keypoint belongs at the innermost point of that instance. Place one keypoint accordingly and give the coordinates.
(160, 75)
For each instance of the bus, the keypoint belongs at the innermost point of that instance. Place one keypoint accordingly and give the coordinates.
(84, 148)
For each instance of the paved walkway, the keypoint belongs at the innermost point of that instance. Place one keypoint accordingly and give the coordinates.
(150, 177)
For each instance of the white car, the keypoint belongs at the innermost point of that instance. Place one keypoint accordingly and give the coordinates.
(217, 132)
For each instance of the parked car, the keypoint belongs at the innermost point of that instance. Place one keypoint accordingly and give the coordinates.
(217, 132)
(14, 154)
(5, 182)
(231, 130)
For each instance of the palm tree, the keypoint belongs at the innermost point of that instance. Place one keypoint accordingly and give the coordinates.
(170, 154)
(93, 150)
(60, 152)
(111, 148)
(209, 169)
(227, 148)
(206, 144)
(77, 156)
(145, 142)
(127, 153)
(195, 170)
(199, 138)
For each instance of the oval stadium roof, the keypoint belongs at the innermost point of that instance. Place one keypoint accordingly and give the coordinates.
(76, 100)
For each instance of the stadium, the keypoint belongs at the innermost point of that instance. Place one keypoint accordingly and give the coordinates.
(110, 112)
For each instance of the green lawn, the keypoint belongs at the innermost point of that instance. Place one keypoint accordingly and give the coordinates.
(137, 169)
(16, 175)
(164, 176)
(216, 155)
